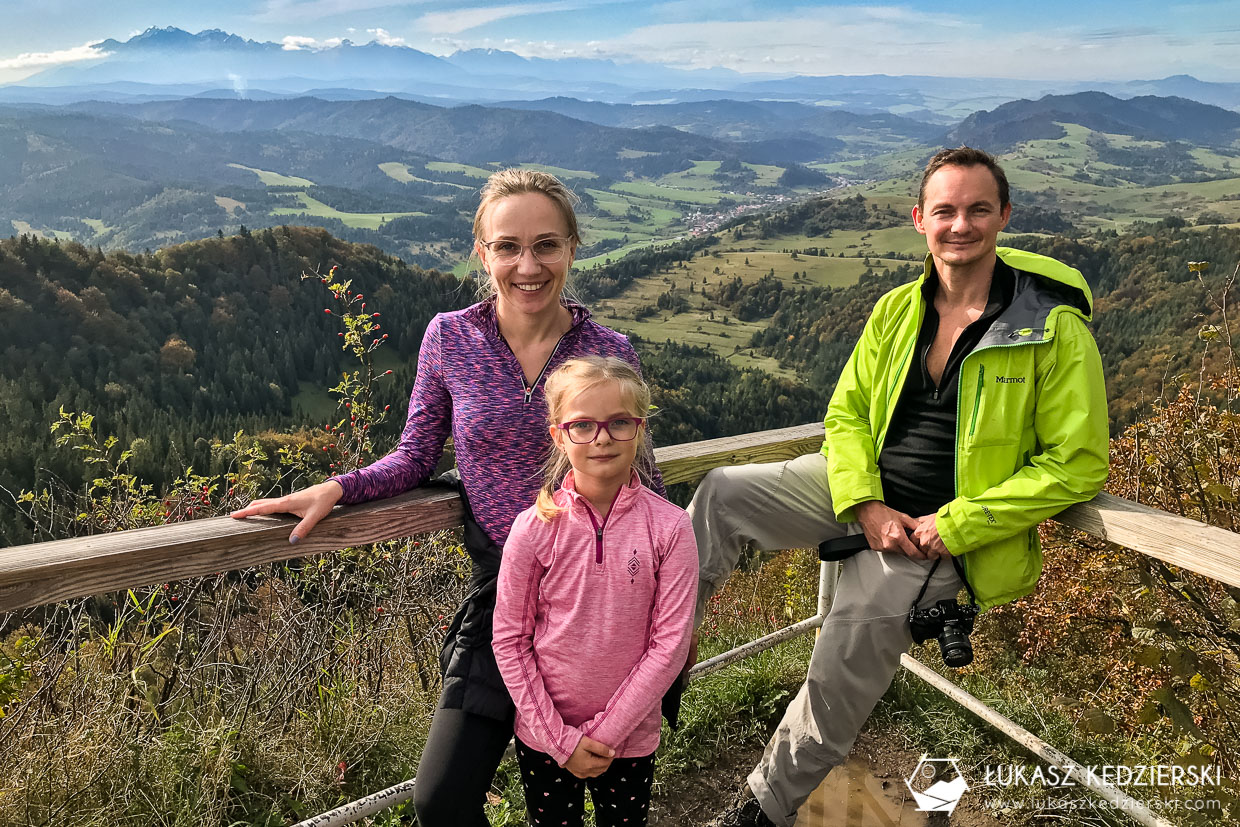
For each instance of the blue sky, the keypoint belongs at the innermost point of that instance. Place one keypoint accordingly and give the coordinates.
(1047, 39)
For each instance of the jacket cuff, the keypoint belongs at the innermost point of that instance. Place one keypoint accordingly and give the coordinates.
(952, 531)
(557, 752)
(348, 484)
(844, 506)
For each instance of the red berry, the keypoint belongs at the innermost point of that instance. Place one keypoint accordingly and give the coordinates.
(327, 310)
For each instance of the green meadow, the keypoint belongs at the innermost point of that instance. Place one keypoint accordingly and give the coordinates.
(275, 179)
(312, 206)
(400, 172)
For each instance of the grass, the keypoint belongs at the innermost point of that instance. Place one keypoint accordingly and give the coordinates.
(561, 172)
(314, 686)
(275, 179)
(228, 205)
(25, 228)
(98, 226)
(928, 722)
(464, 169)
(696, 178)
(647, 189)
(634, 153)
(768, 175)
(400, 172)
(312, 206)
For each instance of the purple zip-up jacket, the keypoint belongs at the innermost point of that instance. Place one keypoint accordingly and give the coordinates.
(471, 385)
(593, 619)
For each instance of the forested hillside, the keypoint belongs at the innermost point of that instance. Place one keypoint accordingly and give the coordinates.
(1149, 307)
(188, 343)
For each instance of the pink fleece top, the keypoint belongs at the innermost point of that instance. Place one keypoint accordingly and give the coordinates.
(593, 619)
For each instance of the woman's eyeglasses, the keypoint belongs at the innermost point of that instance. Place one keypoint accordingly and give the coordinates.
(545, 250)
(585, 431)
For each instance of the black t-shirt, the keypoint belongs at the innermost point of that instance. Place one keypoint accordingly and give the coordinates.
(918, 461)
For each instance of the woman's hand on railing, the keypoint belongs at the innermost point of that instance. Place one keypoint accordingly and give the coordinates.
(311, 504)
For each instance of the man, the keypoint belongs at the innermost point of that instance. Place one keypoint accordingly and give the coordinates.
(972, 409)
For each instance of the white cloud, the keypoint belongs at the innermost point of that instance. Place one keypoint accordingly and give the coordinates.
(459, 20)
(386, 38)
(35, 60)
(892, 40)
(296, 43)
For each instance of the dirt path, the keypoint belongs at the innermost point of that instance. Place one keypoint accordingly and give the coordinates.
(867, 791)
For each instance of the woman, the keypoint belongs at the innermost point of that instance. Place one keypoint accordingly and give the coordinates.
(480, 374)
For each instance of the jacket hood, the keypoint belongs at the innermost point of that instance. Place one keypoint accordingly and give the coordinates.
(1059, 278)
(1044, 288)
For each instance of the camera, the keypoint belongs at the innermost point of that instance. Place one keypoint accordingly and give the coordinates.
(951, 623)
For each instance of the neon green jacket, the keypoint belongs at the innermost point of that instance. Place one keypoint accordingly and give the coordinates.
(1031, 423)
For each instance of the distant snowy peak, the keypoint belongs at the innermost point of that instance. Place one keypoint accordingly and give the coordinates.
(174, 39)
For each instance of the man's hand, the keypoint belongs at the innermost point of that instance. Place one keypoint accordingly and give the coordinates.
(887, 529)
(591, 758)
(926, 536)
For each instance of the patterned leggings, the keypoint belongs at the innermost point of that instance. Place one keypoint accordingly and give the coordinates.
(556, 798)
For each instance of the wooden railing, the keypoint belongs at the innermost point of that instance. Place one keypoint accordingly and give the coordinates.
(40, 573)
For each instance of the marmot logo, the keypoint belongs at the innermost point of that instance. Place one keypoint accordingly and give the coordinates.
(1010, 380)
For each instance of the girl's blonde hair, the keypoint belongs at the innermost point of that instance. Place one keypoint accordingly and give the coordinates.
(516, 181)
(570, 379)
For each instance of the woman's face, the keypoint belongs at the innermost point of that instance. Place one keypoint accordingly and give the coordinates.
(526, 285)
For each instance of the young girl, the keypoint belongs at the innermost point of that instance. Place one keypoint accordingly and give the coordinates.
(595, 605)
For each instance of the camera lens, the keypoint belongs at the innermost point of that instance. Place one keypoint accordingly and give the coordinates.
(955, 646)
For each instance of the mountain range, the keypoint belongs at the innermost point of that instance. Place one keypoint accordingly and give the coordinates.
(1146, 117)
(215, 63)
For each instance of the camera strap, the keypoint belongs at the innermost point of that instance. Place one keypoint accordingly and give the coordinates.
(959, 571)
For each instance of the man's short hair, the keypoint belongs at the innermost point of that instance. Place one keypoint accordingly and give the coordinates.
(964, 156)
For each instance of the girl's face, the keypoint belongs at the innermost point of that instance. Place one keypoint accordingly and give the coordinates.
(604, 461)
(527, 285)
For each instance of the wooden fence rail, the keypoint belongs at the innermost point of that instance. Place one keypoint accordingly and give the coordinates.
(39, 573)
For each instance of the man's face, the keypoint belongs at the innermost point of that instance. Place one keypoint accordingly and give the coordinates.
(961, 217)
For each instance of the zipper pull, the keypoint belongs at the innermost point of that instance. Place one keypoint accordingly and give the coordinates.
(598, 545)
(529, 393)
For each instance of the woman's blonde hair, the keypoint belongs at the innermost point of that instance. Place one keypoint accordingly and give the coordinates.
(570, 379)
(516, 181)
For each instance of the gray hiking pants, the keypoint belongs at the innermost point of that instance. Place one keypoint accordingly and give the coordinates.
(788, 505)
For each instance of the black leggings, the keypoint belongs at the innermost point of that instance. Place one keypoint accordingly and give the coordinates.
(462, 752)
(555, 797)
